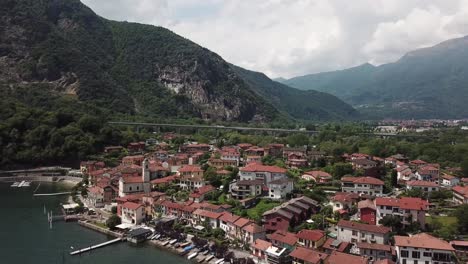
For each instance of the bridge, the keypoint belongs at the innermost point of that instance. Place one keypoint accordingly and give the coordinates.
(252, 129)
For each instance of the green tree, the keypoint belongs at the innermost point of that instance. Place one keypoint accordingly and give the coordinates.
(391, 221)
(113, 221)
(461, 213)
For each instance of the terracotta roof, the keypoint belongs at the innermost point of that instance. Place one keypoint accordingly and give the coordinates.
(241, 222)
(308, 255)
(364, 162)
(261, 244)
(253, 228)
(423, 240)
(167, 179)
(318, 173)
(364, 227)
(95, 189)
(202, 191)
(254, 167)
(363, 180)
(448, 177)
(132, 179)
(366, 204)
(344, 197)
(422, 184)
(459, 243)
(190, 168)
(340, 258)
(374, 246)
(312, 235)
(131, 206)
(284, 237)
(418, 162)
(229, 217)
(342, 246)
(409, 203)
(207, 214)
(463, 190)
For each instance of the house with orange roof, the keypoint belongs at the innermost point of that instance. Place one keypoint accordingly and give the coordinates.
(448, 180)
(362, 185)
(132, 213)
(198, 195)
(283, 239)
(311, 238)
(423, 248)
(302, 255)
(201, 216)
(425, 186)
(460, 194)
(317, 176)
(190, 177)
(259, 248)
(409, 209)
(353, 232)
(373, 251)
(340, 258)
(252, 232)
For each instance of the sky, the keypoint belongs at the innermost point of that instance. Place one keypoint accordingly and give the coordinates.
(287, 38)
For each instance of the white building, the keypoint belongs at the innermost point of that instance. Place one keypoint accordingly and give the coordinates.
(256, 171)
(364, 185)
(425, 186)
(231, 155)
(423, 248)
(278, 189)
(407, 208)
(354, 232)
(449, 180)
(132, 213)
(460, 194)
(136, 184)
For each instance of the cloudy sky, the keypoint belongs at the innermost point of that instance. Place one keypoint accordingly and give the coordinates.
(296, 37)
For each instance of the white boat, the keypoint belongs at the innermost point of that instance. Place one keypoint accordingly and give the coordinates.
(165, 243)
(172, 241)
(156, 237)
(219, 261)
(26, 184)
(191, 256)
(209, 258)
(16, 184)
(21, 184)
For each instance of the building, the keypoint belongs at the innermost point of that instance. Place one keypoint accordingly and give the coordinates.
(289, 213)
(259, 248)
(373, 251)
(278, 189)
(367, 212)
(460, 194)
(252, 232)
(246, 188)
(448, 180)
(256, 171)
(428, 173)
(362, 185)
(409, 209)
(363, 164)
(198, 195)
(204, 216)
(136, 184)
(336, 245)
(425, 186)
(343, 201)
(283, 239)
(354, 232)
(423, 248)
(231, 155)
(190, 177)
(317, 176)
(311, 238)
(132, 213)
(340, 258)
(99, 196)
(222, 163)
(277, 255)
(303, 255)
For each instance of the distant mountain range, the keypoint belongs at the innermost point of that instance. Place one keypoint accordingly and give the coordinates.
(425, 83)
(62, 47)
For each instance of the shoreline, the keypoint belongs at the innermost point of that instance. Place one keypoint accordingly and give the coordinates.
(68, 180)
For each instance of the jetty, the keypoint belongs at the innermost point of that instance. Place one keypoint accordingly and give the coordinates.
(51, 194)
(83, 250)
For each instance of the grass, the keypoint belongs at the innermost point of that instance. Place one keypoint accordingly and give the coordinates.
(256, 212)
(444, 220)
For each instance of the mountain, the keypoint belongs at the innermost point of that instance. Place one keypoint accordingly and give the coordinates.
(297, 103)
(61, 47)
(426, 83)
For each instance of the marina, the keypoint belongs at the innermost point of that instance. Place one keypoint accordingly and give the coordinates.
(83, 250)
(21, 184)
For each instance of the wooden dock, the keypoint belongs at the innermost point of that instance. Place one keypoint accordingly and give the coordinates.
(51, 194)
(83, 250)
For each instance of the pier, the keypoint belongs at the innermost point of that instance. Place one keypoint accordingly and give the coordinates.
(83, 250)
(51, 194)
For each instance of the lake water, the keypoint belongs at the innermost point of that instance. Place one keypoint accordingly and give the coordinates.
(25, 236)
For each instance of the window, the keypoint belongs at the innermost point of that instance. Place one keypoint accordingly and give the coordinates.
(363, 234)
(415, 262)
(416, 254)
(427, 254)
(354, 233)
(404, 254)
(404, 261)
(389, 208)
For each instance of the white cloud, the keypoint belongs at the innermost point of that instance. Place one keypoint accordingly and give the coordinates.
(295, 37)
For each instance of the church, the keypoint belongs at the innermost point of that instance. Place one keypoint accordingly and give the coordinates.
(136, 184)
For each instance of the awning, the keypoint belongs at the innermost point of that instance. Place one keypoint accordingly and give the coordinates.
(124, 226)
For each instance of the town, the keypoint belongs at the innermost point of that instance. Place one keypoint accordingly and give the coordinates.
(276, 203)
